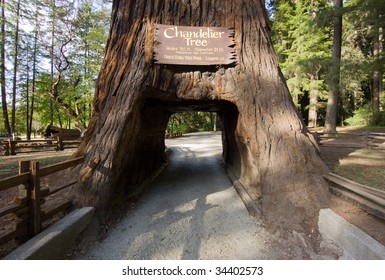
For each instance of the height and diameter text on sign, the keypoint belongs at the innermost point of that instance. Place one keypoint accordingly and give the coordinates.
(186, 45)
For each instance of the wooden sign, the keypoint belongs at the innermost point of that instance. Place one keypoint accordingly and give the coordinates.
(186, 45)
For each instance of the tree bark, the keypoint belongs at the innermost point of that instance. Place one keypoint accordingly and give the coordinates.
(34, 72)
(378, 72)
(266, 144)
(313, 115)
(2, 73)
(52, 57)
(15, 67)
(334, 83)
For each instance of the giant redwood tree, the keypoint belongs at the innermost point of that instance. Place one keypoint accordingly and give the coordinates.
(265, 142)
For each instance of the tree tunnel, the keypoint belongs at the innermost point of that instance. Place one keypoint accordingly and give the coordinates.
(266, 143)
(154, 118)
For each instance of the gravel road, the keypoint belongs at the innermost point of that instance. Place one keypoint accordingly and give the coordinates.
(191, 211)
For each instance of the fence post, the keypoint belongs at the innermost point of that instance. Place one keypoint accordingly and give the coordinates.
(366, 143)
(35, 199)
(6, 148)
(368, 140)
(23, 189)
(60, 146)
(22, 198)
(12, 147)
(317, 138)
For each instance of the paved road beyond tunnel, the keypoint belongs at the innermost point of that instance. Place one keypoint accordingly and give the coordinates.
(191, 211)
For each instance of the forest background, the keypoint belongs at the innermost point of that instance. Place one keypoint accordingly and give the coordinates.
(330, 51)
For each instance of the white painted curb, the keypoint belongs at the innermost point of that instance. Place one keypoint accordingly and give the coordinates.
(56, 240)
(355, 243)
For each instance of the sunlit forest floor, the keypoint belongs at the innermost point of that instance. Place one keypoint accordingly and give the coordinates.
(361, 165)
(9, 165)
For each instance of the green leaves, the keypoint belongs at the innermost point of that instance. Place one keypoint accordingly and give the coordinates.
(303, 46)
(303, 34)
(61, 69)
(181, 123)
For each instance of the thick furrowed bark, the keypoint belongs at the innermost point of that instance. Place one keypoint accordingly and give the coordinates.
(265, 141)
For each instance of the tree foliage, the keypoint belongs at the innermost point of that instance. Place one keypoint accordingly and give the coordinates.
(60, 48)
(303, 35)
(186, 122)
(303, 46)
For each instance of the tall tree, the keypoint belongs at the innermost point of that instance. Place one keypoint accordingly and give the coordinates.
(367, 19)
(302, 46)
(30, 55)
(52, 53)
(15, 65)
(53, 39)
(91, 25)
(57, 39)
(266, 144)
(334, 76)
(35, 23)
(2, 71)
(28, 94)
(378, 69)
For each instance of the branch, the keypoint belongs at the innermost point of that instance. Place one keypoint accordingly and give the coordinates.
(61, 68)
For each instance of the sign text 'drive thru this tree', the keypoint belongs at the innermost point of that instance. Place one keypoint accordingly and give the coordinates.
(265, 142)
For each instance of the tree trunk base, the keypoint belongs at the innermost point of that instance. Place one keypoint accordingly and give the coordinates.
(265, 142)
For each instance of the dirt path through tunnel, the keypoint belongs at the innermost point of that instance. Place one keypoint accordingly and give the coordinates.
(191, 211)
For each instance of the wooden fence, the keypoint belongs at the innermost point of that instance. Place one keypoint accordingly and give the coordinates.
(369, 199)
(11, 147)
(26, 211)
(367, 140)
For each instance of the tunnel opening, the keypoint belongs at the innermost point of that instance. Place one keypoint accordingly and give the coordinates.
(155, 117)
(192, 121)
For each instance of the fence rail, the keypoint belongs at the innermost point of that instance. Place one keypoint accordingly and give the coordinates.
(370, 199)
(26, 209)
(11, 147)
(368, 140)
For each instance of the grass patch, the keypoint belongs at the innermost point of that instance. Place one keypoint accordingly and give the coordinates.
(6, 168)
(366, 167)
(52, 160)
(10, 166)
(368, 154)
(366, 175)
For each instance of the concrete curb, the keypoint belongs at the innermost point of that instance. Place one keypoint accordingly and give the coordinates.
(355, 243)
(55, 241)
